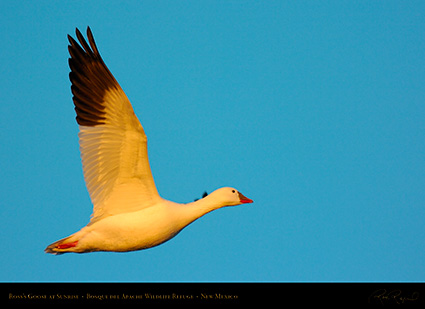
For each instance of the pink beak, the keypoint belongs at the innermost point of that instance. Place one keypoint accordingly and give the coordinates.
(244, 199)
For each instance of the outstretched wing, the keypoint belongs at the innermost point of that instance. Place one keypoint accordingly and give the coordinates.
(113, 143)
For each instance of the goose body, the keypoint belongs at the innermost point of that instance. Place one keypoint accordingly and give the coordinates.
(128, 213)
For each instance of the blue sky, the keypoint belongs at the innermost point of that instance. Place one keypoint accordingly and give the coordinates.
(314, 109)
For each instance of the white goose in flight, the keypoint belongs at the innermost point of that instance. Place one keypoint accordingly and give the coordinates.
(128, 213)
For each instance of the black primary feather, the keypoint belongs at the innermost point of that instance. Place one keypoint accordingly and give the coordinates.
(203, 195)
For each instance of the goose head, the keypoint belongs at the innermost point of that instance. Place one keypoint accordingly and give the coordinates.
(229, 197)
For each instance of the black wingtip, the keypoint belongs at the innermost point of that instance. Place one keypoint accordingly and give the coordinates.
(203, 195)
(90, 79)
